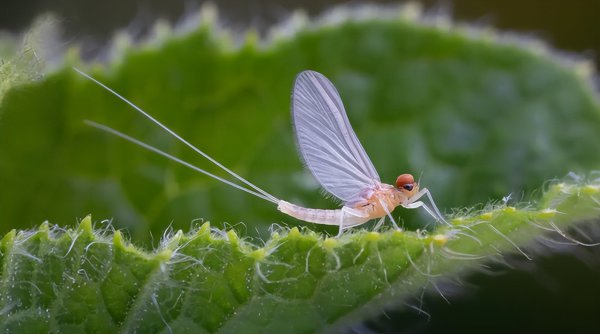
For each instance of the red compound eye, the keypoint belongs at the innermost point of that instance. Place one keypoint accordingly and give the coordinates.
(406, 182)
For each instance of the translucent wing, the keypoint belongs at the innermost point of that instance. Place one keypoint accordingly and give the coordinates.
(326, 140)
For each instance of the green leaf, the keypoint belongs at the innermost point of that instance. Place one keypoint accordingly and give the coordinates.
(480, 114)
(20, 62)
(476, 113)
(86, 279)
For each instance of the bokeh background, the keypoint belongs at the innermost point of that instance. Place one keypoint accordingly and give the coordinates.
(492, 301)
(569, 27)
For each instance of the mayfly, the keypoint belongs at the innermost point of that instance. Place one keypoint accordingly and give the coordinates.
(332, 153)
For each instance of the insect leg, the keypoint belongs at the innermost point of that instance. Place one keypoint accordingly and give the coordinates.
(350, 217)
(379, 223)
(435, 213)
(420, 204)
(389, 215)
(341, 226)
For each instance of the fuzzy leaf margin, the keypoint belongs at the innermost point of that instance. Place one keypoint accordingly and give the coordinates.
(213, 281)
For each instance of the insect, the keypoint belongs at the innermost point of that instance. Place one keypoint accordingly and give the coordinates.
(331, 152)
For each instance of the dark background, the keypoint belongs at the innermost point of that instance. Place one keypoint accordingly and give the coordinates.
(569, 26)
(484, 306)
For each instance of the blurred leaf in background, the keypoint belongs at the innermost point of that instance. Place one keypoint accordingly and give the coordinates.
(479, 119)
(480, 114)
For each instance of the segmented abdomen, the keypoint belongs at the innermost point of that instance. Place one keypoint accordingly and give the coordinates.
(319, 216)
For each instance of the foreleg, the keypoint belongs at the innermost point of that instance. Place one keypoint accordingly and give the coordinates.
(420, 204)
(414, 203)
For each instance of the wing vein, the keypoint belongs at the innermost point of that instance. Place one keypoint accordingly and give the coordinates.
(326, 141)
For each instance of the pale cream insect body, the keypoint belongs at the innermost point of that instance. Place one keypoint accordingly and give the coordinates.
(384, 199)
(332, 153)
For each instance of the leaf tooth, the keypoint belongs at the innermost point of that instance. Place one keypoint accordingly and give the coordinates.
(85, 226)
(372, 236)
(233, 238)
(258, 255)
(330, 243)
(294, 232)
(204, 231)
(546, 213)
